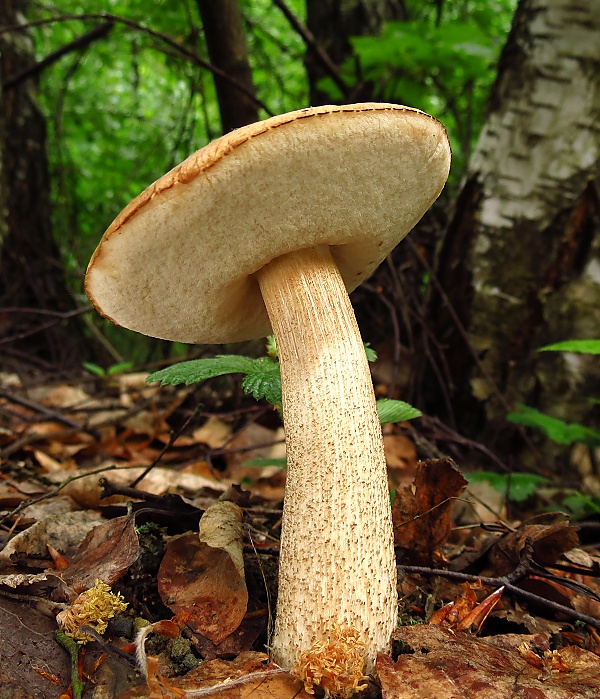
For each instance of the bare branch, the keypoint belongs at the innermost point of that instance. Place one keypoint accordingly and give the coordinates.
(159, 36)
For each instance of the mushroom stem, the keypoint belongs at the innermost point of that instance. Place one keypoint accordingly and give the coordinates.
(337, 571)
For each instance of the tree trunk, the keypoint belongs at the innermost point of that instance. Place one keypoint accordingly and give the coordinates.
(228, 51)
(333, 23)
(31, 273)
(519, 262)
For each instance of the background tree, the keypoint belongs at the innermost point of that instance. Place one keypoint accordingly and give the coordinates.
(228, 51)
(519, 262)
(332, 24)
(31, 272)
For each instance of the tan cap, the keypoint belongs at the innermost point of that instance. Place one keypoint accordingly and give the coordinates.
(179, 261)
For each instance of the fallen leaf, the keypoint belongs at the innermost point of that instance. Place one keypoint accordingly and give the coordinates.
(549, 542)
(221, 527)
(202, 584)
(105, 554)
(268, 684)
(63, 531)
(440, 664)
(422, 520)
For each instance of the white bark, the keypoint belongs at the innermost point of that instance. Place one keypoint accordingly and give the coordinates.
(530, 237)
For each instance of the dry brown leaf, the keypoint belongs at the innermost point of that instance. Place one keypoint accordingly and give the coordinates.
(201, 585)
(440, 664)
(214, 433)
(550, 539)
(400, 455)
(266, 684)
(64, 531)
(105, 554)
(422, 520)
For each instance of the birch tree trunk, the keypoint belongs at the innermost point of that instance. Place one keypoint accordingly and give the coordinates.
(519, 262)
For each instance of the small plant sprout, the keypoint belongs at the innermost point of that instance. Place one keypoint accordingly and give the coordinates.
(266, 230)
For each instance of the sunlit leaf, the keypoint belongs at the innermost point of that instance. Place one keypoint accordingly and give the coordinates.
(396, 411)
(198, 370)
(582, 346)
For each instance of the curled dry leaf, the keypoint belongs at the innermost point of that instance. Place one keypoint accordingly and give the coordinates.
(221, 527)
(422, 520)
(202, 584)
(465, 611)
(105, 554)
(550, 539)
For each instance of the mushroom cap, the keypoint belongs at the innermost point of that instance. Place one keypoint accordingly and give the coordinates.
(179, 261)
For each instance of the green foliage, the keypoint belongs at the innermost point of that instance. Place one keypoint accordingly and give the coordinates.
(578, 505)
(198, 370)
(581, 346)
(279, 462)
(113, 370)
(263, 379)
(555, 429)
(443, 63)
(515, 486)
(395, 411)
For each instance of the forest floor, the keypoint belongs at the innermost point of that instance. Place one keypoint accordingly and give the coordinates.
(104, 483)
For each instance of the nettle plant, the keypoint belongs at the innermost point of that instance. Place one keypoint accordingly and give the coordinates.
(262, 379)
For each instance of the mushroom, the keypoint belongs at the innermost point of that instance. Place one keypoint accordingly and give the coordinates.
(268, 228)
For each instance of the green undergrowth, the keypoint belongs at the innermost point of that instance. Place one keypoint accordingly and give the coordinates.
(262, 379)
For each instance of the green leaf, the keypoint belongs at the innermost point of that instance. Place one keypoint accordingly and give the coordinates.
(516, 486)
(395, 411)
(119, 368)
(557, 430)
(371, 354)
(272, 347)
(263, 380)
(95, 369)
(281, 463)
(583, 346)
(201, 369)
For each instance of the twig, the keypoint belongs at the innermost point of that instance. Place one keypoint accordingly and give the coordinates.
(47, 412)
(163, 38)
(73, 648)
(55, 491)
(509, 587)
(81, 42)
(172, 439)
(57, 317)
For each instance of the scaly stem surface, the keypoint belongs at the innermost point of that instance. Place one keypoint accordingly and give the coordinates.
(337, 567)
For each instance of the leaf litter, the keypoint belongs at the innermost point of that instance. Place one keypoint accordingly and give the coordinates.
(122, 490)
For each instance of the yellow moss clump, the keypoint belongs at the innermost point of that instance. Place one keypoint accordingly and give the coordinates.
(334, 664)
(93, 608)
